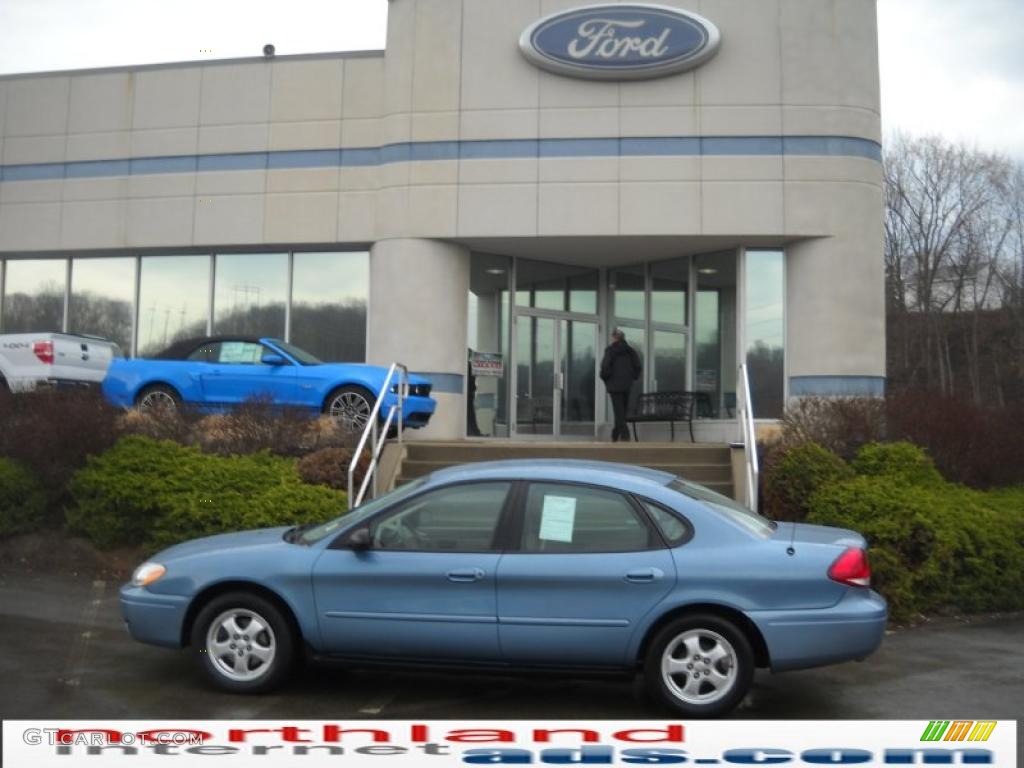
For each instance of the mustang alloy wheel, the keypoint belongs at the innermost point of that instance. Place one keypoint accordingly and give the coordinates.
(700, 665)
(243, 643)
(350, 406)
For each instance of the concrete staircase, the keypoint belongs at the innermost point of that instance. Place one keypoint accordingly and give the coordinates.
(709, 464)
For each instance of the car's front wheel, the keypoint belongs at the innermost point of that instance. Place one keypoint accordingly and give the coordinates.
(243, 643)
(699, 665)
(350, 406)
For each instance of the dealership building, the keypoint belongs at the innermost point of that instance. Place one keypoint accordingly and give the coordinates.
(483, 201)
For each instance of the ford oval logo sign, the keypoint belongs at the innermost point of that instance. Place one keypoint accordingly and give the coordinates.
(620, 42)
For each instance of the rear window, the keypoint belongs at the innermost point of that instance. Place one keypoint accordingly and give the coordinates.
(725, 506)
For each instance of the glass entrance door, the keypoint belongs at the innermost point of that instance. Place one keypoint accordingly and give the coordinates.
(556, 366)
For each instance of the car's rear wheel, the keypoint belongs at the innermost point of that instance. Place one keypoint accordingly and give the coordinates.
(350, 406)
(243, 643)
(699, 665)
(158, 397)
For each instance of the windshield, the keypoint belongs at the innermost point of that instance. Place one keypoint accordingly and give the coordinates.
(723, 504)
(302, 356)
(362, 512)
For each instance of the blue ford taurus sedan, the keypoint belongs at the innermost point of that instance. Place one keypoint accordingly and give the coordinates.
(216, 373)
(544, 563)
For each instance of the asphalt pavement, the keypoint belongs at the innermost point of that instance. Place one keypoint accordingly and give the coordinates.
(65, 653)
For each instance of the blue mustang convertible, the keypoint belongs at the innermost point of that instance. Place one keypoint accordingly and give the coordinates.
(542, 563)
(218, 372)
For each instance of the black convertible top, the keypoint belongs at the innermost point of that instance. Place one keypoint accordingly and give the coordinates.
(180, 350)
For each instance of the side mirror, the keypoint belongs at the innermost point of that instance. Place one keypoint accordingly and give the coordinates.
(271, 359)
(360, 541)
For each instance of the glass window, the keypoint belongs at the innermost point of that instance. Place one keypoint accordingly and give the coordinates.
(765, 331)
(460, 518)
(250, 293)
(724, 506)
(102, 292)
(329, 295)
(672, 527)
(315, 533)
(301, 356)
(34, 295)
(173, 300)
(568, 518)
(548, 286)
(628, 293)
(669, 281)
(669, 361)
(237, 353)
(207, 353)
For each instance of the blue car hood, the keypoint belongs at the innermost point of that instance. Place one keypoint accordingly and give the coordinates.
(260, 537)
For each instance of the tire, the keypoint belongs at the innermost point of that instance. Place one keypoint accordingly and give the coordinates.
(351, 406)
(725, 666)
(158, 397)
(233, 658)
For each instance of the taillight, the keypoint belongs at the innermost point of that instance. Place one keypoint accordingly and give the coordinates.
(851, 568)
(44, 351)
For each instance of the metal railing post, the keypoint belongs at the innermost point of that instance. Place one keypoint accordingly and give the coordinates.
(377, 434)
(749, 433)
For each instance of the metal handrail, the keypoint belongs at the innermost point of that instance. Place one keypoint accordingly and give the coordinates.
(377, 445)
(749, 434)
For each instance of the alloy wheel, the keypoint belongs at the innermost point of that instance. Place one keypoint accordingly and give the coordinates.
(351, 409)
(241, 644)
(699, 666)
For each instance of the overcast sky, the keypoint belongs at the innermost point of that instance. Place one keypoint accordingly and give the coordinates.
(949, 66)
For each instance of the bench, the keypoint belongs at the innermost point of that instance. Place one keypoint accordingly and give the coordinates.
(665, 406)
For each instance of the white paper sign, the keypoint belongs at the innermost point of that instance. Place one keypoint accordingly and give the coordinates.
(557, 517)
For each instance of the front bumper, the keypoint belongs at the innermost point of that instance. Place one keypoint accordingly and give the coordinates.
(153, 618)
(852, 629)
(416, 410)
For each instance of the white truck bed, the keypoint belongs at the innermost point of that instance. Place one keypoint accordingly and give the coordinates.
(29, 360)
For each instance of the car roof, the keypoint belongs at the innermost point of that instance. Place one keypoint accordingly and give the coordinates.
(180, 350)
(605, 473)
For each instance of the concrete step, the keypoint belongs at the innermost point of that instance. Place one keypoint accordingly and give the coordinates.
(698, 473)
(644, 454)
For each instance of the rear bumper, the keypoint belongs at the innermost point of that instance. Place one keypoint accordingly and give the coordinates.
(152, 618)
(852, 629)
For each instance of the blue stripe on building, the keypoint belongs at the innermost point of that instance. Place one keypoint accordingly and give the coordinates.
(426, 151)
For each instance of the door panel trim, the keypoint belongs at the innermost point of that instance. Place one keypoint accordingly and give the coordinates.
(553, 622)
(440, 617)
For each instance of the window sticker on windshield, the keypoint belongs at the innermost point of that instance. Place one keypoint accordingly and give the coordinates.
(239, 352)
(557, 517)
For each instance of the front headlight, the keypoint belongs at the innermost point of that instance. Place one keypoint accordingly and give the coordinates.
(147, 573)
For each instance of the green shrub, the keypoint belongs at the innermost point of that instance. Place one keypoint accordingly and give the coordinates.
(159, 493)
(792, 478)
(22, 500)
(933, 546)
(903, 461)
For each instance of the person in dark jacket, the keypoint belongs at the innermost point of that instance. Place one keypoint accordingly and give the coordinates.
(620, 367)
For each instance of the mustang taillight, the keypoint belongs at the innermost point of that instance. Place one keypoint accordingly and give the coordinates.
(851, 568)
(44, 351)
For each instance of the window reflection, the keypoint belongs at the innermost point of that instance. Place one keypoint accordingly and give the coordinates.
(715, 333)
(34, 295)
(250, 294)
(669, 281)
(329, 292)
(556, 286)
(173, 300)
(102, 293)
(765, 331)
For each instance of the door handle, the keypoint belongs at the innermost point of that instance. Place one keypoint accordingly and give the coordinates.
(465, 575)
(644, 575)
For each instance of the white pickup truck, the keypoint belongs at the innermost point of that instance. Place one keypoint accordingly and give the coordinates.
(29, 360)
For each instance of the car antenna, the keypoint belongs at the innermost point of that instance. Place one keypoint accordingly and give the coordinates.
(791, 550)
